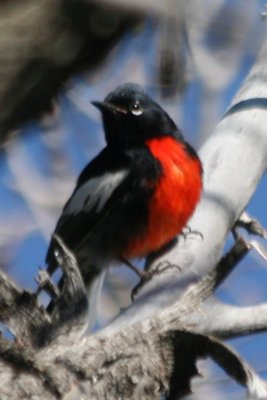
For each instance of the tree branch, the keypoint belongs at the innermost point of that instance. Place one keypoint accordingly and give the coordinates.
(154, 357)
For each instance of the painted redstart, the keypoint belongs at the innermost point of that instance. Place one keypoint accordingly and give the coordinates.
(136, 195)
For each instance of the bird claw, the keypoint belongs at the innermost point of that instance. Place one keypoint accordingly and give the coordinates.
(189, 231)
(146, 276)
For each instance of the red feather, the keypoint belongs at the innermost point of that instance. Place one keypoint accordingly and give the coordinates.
(175, 197)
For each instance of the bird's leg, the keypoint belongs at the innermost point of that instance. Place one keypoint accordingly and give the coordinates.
(142, 274)
(151, 258)
(148, 275)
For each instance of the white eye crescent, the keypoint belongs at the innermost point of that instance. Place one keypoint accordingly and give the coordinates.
(135, 108)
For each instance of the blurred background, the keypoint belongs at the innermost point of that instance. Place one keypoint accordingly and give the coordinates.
(191, 56)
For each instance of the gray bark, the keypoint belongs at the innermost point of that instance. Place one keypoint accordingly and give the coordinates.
(52, 358)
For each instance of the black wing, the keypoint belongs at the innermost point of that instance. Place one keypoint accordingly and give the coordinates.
(108, 205)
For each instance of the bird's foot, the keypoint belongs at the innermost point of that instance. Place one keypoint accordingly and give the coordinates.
(189, 231)
(147, 275)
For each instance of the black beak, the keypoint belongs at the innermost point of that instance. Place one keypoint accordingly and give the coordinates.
(104, 107)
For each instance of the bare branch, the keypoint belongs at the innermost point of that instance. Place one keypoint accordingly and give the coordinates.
(70, 309)
(19, 310)
(251, 225)
(154, 357)
(232, 321)
(21, 360)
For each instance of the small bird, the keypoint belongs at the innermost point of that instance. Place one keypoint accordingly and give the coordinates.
(136, 195)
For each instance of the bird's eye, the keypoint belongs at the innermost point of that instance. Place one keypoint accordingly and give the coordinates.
(135, 108)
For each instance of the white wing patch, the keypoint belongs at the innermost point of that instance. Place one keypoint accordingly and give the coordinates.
(95, 192)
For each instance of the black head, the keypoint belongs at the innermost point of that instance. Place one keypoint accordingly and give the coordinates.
(130, 117)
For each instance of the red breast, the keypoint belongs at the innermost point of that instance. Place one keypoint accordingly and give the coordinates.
(175, 197)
